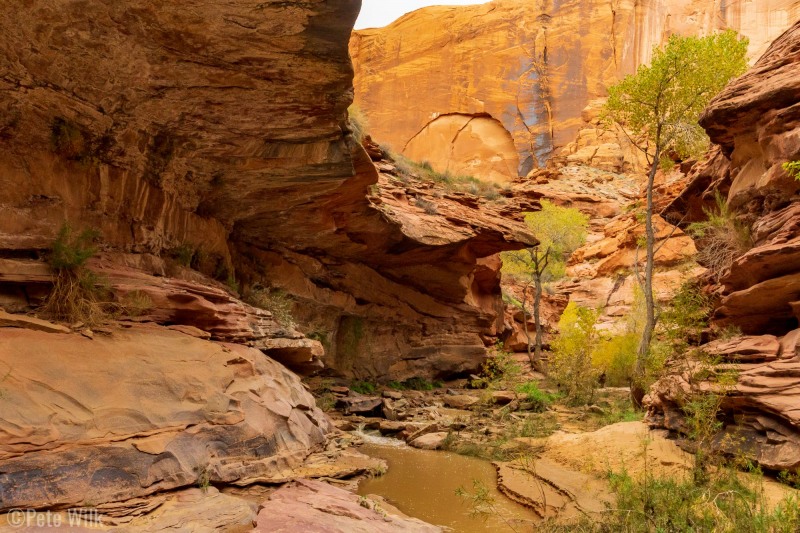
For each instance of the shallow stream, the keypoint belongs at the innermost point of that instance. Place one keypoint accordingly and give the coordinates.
(423, 484)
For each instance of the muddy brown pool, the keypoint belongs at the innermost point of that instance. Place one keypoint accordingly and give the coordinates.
(423, 484)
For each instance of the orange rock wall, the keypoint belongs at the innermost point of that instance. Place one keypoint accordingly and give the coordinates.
(475, 146)
(532, 65)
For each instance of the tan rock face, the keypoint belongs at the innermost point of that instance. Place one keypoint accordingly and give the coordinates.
(157, 141)
(143, 410)
(600, 145)
(532, 66)
(466, 145)
(414, 290)
(617, 249)
(600, 274)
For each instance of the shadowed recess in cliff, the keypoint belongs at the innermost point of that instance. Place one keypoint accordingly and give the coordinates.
(205, 133)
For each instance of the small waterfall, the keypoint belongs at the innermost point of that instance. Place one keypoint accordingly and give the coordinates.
(375, 437)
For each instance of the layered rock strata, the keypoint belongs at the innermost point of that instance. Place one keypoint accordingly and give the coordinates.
(425, 298)
(190, 136)
(205, 135)
(602, 273)
(141, 410)
(755, 122)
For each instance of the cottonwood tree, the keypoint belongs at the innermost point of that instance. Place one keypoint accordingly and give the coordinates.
(560, 231)
(662, 103)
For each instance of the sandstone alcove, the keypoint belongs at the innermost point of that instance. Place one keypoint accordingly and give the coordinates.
(466, 144)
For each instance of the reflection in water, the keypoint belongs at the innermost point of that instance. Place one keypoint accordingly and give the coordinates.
(423, 484)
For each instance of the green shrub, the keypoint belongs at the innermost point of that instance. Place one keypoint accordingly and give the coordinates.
(679, 328)
(615, 356)
(275, 301)
(71, 251)
(791, 478)
(326, 401)
(75, 296)
(496, 447)
(232, 283)
(725, 503)
(358, 122)
(417, 383)
(184, 254)
(722, 238)
(498, 371)
(792, 168)
(538, 426)
(571, 362)
(540, 399)
(363, 387)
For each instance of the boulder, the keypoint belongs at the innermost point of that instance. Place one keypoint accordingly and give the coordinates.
(358, 404)
(429, 441)
(395, 409)
(388, 427)
(503, 397)
(142, 411)
(460, 401)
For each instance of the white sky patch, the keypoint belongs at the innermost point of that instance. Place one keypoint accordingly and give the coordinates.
(379, 13)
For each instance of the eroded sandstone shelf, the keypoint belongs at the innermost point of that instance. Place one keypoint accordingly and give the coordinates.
(755, 122)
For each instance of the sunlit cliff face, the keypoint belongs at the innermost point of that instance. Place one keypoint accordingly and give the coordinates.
(533, 68)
